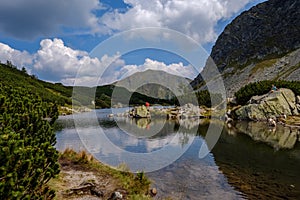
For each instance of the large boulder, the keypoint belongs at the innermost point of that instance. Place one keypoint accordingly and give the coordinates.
(273, 104)
(142, 112)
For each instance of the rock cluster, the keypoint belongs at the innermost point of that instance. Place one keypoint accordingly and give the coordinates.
(273, 105)
(187, 111)
(140, 112)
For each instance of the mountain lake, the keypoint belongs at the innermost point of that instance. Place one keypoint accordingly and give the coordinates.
(169, 152)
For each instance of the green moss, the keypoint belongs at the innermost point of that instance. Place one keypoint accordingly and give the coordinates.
(262, 65)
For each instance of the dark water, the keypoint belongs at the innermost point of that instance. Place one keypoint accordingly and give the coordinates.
(237, 167)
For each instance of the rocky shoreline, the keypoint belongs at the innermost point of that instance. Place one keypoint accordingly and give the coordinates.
(82, 177)
(272, 118)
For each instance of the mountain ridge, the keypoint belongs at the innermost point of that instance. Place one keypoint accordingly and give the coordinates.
(260, 44)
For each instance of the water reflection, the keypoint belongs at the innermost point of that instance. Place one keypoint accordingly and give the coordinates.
(279, 137)
(256, 170)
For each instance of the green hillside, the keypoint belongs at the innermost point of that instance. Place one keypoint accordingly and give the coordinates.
(49, 92)
(62, 95)
(110, 95)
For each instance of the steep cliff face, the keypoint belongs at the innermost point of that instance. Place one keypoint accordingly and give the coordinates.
(258, 38)
(266, 30)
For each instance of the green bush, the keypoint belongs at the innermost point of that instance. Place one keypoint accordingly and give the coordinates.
(259, 88)
(49, 92)
(28, 159)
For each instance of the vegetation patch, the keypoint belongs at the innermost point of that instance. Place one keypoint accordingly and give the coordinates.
(77, 168)
(262, 65)
(262, 87)
(28, 159)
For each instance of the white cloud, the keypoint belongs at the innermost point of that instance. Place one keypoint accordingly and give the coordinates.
(18, 58)
(175, 68)
(196, 18)
(64, 64)
(58, 63)
(55, 58)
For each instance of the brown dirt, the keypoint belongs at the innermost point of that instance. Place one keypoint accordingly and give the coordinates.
(72, 175)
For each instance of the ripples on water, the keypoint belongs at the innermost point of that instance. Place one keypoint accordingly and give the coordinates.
(237, 167)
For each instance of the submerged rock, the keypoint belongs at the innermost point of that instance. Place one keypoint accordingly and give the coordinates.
(271, 105)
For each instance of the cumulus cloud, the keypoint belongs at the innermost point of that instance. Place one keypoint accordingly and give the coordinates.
(118, 70)
(55, 59)
(69, 66)
(175, 68)
(31, 18)
(18, 58)
(56, 62)
(196, 18)
(65, 64)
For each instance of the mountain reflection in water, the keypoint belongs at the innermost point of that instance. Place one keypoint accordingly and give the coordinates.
(238, 167)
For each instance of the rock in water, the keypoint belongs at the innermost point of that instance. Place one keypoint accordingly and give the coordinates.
(275, 104)
(153, 192)
(142, 112)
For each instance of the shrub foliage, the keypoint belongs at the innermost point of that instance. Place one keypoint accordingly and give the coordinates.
(28, 159)
(259, 88)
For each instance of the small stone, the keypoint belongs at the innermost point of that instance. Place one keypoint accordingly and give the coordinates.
(298, 99)
(153, 192)
(298, 107)
(97, 192)
(116, 196)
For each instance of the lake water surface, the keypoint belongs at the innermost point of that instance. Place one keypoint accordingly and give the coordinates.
(236, 168)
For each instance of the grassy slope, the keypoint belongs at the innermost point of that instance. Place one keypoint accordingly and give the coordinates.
(62, 95)
(49, 92)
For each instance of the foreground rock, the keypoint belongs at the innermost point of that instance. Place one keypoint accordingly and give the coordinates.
(275, 104)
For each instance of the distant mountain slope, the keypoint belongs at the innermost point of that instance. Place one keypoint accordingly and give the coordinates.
(63, 95)
(155, 83)
(262, 43)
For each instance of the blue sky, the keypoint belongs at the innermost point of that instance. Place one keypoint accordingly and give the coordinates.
(53, 39)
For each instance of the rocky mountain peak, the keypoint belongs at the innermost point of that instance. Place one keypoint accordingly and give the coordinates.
(269, 30)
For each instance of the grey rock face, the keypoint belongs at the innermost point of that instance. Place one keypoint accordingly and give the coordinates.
(272, 105)
(267, 29)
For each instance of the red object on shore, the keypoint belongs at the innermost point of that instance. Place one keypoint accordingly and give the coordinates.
(147, 104)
